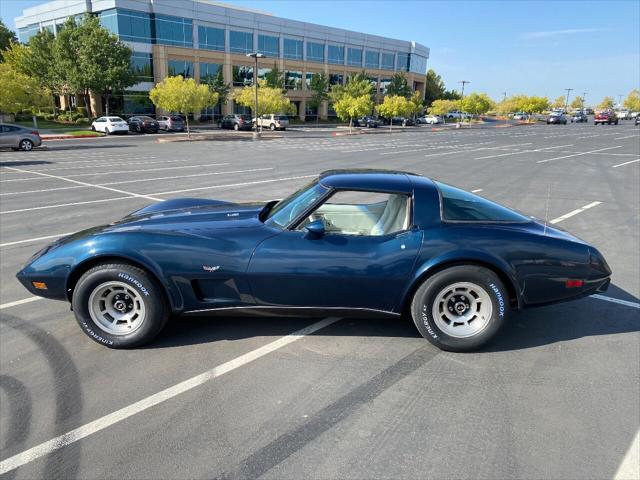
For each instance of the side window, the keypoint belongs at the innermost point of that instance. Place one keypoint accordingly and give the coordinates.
(363, 213)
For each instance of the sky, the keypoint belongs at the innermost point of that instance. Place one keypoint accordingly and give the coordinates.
(529, 47)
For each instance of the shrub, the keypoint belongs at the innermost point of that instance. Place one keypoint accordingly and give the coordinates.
(82, 120)
(82, 111)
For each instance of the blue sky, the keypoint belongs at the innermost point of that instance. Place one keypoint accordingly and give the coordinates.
(532, 47)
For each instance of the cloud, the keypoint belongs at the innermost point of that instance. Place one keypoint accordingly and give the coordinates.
(557, 33)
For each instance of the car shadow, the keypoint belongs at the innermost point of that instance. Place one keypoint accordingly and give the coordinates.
(526, 329)
(23, 163)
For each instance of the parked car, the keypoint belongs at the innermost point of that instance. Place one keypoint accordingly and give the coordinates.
(605, 116)
(366, 121)
(236, 122)
(109, 125)
(455, 114)
(637, 120)
(19, 137)
(273, 122)
(358, 242)
(520, 116)
(143, 124)
(173, 123)
(556, 118)
(429, 119)
(404, 121)
(623, 114)
(579, 117)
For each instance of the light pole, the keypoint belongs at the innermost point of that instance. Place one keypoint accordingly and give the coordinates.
(566, 103)
(620, 95)
(463, 82)
(256, 56)
(584, 97)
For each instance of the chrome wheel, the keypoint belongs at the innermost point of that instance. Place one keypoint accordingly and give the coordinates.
(26, 145)
(116, 308)
(462, 310)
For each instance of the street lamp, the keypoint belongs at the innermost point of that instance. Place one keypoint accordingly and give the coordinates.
(256, 56)
(463, 82)
(566, 103)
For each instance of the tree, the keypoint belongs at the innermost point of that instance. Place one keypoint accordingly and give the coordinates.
(177, 94)
(319, 86)
(416, 104)
(275, 77)
(442, 107)
(349, 107)
(20, 92)
(632, 102)
(398, 85)
(270, 99)
(434, 87)
(7, 37)
(477, 104)
(451, 95)
(577, 103)
(607, 103)
(216, 84)
(559, 102)
(394, 106)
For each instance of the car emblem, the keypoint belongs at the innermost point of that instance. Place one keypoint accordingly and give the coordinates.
(207, 268)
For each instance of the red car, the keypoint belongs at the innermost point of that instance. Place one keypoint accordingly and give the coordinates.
(606, 116)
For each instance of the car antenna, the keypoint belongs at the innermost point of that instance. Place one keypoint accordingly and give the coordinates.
(546, 215)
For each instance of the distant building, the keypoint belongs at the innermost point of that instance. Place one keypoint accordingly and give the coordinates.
(197, 38)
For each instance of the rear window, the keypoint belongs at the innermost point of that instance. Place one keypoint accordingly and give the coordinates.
(115, 119)
(246, 118)
(461, 206)
(175, 118)
(281, 117)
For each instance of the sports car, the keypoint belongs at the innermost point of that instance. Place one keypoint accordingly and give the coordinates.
(350, 243)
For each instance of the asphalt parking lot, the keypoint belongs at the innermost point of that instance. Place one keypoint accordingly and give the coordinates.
(556, 396)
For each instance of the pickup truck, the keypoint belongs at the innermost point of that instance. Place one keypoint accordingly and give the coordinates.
(605, 116)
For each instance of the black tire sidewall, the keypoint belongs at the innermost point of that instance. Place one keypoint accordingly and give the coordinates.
(26, 141)
(424, 298)
(157, 310)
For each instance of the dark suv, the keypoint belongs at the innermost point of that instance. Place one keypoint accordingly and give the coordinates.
(143, 124)
(236, 122)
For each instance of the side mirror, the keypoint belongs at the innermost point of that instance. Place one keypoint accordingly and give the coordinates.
(315, 228)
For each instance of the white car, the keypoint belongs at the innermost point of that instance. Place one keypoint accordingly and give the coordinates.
(273, 122)
(521, 116)
(623, 114)
(108, 125)
(430, 119)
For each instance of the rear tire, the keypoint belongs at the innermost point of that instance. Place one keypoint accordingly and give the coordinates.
(236, 127)
(120, 306)
(26, 145)
(107, 132)
(460, 309)
(272, 127)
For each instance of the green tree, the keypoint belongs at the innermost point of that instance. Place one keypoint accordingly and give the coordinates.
(559, 102)
(270, 99)
(274, 78)
(7, 37)
(319, 86)
(477, 103)
(398, 85)
(217, 84)
(451, 95)
(20, 92)
(395, 106)
(632, 102)
(349, 107)
(442, 107)
(416, 104)
(434, 87)
(577, 102)
(607, 103)
(180, 95)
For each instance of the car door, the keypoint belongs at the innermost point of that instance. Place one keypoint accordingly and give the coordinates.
(354, 265)
(4, 136)
(9, 136)
(100, 124)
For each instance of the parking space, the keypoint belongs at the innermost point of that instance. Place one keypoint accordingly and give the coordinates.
(556, 396)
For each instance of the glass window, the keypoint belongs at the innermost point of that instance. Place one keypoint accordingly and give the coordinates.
(374, 82)
(242, 75)
(335, 79)
(263, 72)
(176, 31)
(372, 59)
(315, 52)
(269, 45)
(210, 38)
(24, 34)
(142, 66)
(354, 56)
(137, 103)
(240, 42)
(336, 55)
(362, 213)
(418, 64)
(384, 84)
(388, 61)
(459, 205)
(293, 49)
(287, 210)
(403, 62)
(180, 67)
(209, 70)
(293, 80)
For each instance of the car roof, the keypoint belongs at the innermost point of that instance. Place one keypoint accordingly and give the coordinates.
(368, 179)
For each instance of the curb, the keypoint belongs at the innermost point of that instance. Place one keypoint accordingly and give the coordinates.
(67, 137)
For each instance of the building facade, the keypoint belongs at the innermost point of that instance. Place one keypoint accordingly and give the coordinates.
(201, 38)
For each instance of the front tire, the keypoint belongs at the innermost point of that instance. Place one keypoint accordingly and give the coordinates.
(120, 306)
(460, 309)
(236, 127)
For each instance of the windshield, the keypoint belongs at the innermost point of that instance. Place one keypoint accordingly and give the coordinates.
(288, 209)
(459, 205)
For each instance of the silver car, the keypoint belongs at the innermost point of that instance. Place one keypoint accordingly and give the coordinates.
(19, 137)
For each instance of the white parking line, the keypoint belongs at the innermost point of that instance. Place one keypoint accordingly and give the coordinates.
(106, 421)
(257, 182)
(626, 303)
(19, 302)
(574, 212)
(78, 182)
(477, 190)
(630, 136)
(626, 163)
(522, 151)
(46, 207)
(629, 468)
(37, 239)
(578, 154)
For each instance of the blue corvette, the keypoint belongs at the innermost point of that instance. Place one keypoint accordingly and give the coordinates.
(350, 243)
